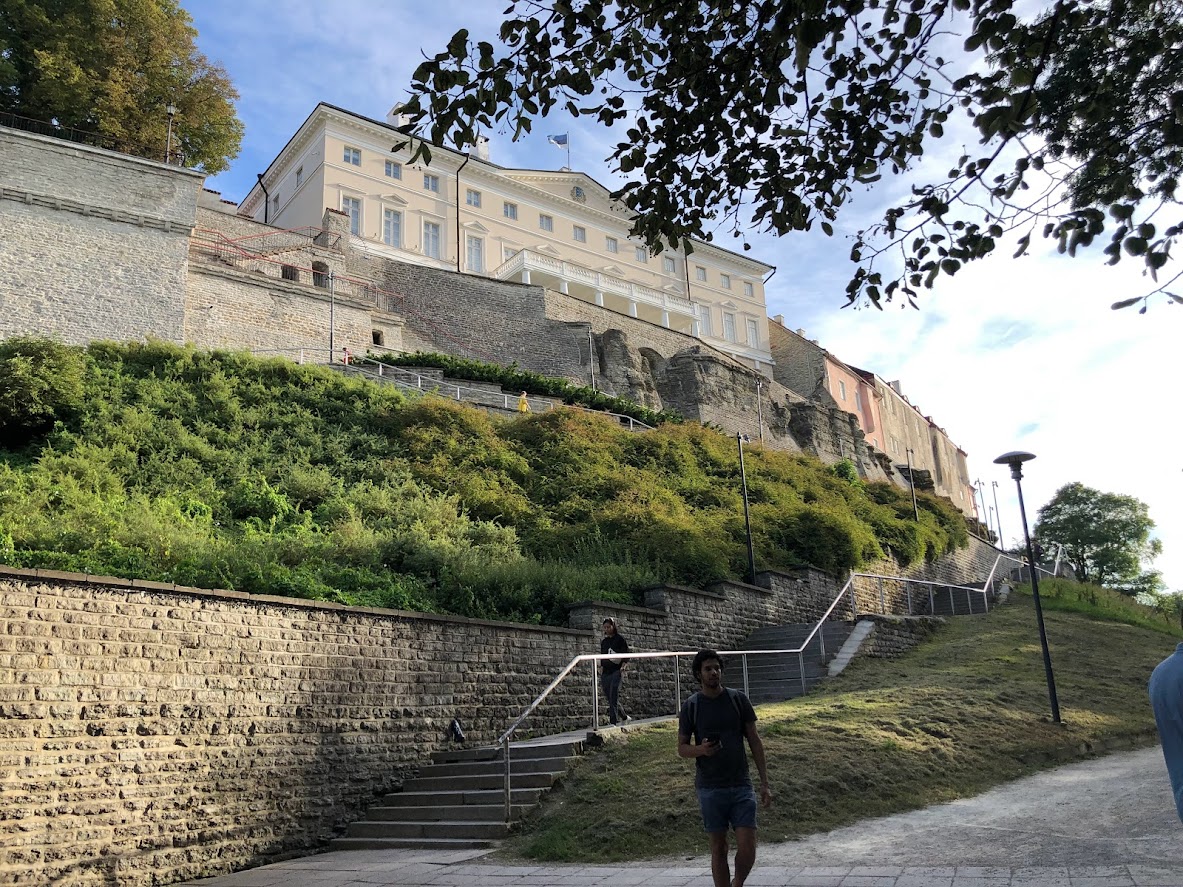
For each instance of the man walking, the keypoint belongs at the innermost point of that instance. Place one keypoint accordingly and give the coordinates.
(719, 719)
(610, 674)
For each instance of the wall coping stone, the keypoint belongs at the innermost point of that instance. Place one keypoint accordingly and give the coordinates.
(735, 583)
(278, 283)
(57, 576)
(686, 589)
(620, 608)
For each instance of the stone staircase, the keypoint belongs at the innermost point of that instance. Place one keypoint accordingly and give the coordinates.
(776, 677)
(458, 800)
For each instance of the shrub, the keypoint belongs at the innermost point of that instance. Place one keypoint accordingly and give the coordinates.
(41, 383)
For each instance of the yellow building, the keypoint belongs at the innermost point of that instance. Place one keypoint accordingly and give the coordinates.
(556, 229)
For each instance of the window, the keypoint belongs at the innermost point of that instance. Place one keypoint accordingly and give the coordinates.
(700, 273)
(725, 281)
(351, 206)
(858, 401)
(431, 183)
(275, 204)
(392, 227)
(842, 389)
(320, 274)
(510, 210)
(475, 253)
(379, 337)
(472, 198)
(669, 265)
(728, 326)
(642, 254)
(748, 290)
(290, 272)
(545, 222)
(352, 156)
(299, 177)
(508, 252)
(394, 169)
(704, 320)
(611, 245)
(431, 239)
(753, 333)
(580, 234)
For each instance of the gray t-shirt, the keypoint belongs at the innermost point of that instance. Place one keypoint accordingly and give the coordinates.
(722, 718)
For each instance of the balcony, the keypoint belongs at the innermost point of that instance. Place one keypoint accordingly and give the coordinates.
(633, 299)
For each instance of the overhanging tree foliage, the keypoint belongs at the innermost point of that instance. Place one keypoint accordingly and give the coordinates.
(1106, 536)
(773, 112)
(112, 67)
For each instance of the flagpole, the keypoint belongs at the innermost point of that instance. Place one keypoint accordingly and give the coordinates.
(568, 150)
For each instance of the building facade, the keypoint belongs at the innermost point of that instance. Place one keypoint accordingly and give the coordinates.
(557, 229)
(889, 421)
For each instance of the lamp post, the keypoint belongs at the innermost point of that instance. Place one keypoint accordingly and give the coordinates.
(978, 485)
(1015, 460)
(171, 111)
(912, 484)
(747, 520)
(997, 514)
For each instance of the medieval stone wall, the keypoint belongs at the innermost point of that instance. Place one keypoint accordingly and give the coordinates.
(93, 243)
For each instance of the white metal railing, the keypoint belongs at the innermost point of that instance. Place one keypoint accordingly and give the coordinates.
(799, 651)
(405, 378)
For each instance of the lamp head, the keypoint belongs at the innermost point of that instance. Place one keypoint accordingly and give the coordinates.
(1015, 460)
(171, 110)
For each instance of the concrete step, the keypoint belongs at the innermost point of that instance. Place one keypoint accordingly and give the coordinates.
(516, 753)
(455, 829)
(421, 843)
(481, 797)
(462, 783)
(491, 768)
(440, 812)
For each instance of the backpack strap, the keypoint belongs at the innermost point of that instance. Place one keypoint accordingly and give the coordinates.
(692, 703)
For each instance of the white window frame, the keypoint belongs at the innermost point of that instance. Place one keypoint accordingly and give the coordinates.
(729, 326)
(706, 325)
(753, 326)
(431, 183)
(749, 290)
(472, 197)
(392, 227)
(545, 222)
(394, 169)
(351, 155)
(299, 177)
(700, 273)
(669, 265)
(355, 221)
(842, 389)
(510, 210)
(431, 239)
(641, 254)
(579, 233)
(611, 244)
(474, 247)
(725, 281)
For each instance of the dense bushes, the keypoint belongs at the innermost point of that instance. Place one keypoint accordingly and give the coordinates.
(222, 470)
(40, 384)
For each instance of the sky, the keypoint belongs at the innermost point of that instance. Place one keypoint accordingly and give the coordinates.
(1010, 354)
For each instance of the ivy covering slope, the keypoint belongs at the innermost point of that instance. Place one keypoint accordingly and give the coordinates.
(221, 470)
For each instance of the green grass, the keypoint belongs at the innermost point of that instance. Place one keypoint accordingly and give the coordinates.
(1101, 603)
(965, 711)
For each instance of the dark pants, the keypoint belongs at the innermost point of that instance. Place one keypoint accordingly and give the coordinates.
(610, 684)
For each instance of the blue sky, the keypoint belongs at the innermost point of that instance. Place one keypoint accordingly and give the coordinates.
(1008, 355)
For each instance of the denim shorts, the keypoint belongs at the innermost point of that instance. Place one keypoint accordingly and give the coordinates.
(734, 806)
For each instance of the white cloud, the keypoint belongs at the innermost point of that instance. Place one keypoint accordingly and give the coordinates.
(1006, 355)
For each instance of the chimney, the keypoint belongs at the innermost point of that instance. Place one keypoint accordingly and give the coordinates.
(801, 333)
(779, 318)
(395, 117)
(895, 386)
(481, 150)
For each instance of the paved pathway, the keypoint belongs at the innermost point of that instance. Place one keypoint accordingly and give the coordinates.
(1108, 822)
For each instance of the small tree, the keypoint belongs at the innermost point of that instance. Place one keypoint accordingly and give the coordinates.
(41, 382)
(1106, 536)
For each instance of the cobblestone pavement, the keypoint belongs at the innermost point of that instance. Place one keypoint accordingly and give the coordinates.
(1108, 822)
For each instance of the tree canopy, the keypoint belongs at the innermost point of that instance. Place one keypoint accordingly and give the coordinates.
(1106, 536)
(773, 113)
(113, 67)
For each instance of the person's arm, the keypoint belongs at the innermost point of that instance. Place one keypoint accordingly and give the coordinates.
(757, 747)
(687, 749)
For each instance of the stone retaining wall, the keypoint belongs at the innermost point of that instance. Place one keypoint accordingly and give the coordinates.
(893, 636)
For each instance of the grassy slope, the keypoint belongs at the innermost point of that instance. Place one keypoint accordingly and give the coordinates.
(963, 712)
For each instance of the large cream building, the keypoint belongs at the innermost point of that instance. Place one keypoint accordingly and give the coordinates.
(557, 229)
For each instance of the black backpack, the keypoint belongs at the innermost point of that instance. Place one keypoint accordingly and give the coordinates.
(692, 702)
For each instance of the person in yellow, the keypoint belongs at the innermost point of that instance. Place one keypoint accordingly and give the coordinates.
(523, 403)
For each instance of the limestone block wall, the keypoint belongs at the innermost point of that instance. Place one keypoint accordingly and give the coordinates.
(152, 735)
(893, 636)
(93, 244)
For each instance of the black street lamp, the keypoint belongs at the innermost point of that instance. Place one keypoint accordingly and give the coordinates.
(747, 520)
(1015, 460)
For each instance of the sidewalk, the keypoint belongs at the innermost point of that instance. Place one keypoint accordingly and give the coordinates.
(1108, 822)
